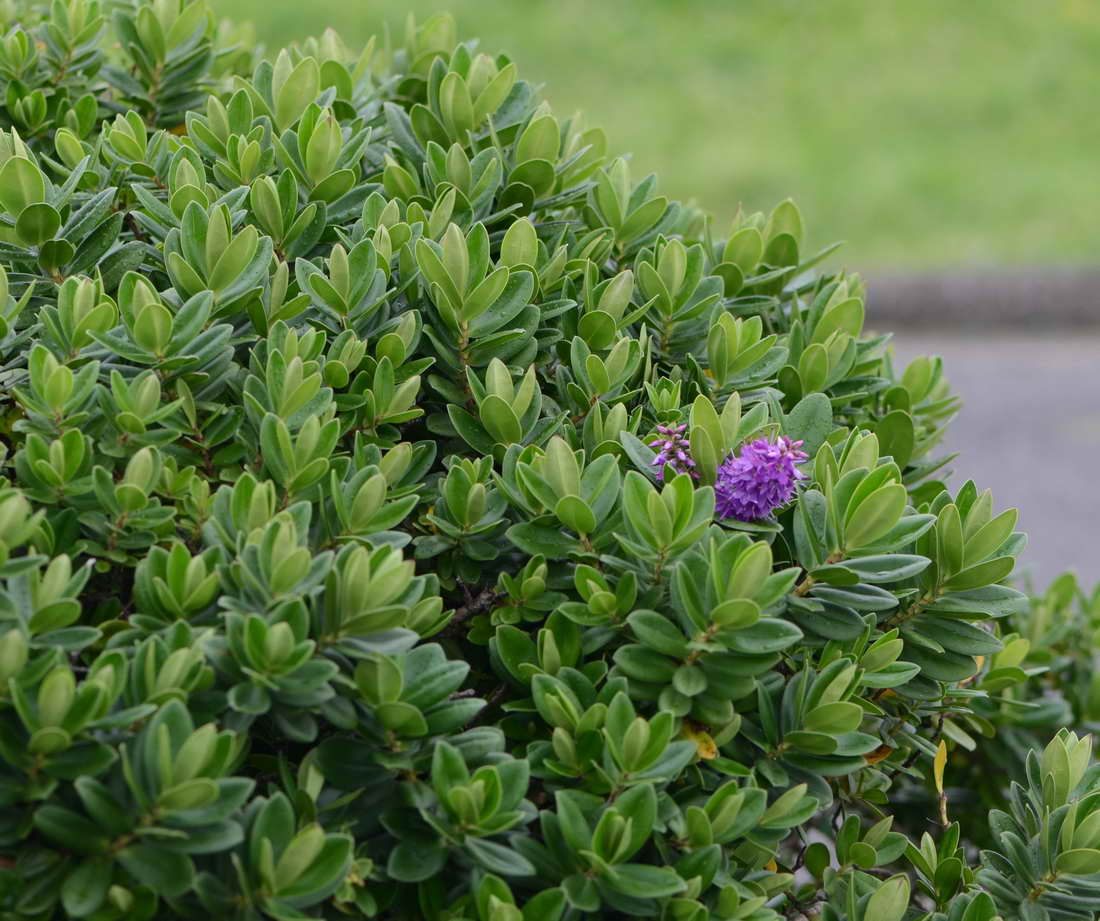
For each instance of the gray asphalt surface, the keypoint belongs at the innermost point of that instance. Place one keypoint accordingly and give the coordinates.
(1029, 430)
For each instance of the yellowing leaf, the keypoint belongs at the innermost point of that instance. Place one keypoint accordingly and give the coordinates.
(879, 754)
(704, 744)
(938, 764)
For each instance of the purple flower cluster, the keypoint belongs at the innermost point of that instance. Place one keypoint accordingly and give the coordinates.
(752, 485)
(673, 450)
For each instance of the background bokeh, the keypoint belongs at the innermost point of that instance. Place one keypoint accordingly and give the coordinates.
(951, 145)
(932, 134)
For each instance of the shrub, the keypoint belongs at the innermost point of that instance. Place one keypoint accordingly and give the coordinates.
(1049, 653)
(375, 449)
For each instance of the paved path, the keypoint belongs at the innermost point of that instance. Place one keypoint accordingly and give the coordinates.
(1015, 300)
(1029, 430)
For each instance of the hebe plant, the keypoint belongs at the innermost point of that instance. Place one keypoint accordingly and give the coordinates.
(340, 576)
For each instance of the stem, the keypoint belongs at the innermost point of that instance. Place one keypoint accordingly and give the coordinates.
(914, 609)
(464, 359)
(809, 581)
(658, 572)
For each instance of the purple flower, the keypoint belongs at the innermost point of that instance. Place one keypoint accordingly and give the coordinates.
(674, 450)
(750, 486)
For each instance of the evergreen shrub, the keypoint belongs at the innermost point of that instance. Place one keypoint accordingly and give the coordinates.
(407, 512)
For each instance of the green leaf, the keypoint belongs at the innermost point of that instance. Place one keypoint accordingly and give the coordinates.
(658, 632)
(300, 89)
(246, 697)
(890, 901)
(980, 575)
(782, 250)
(896, 436)
(845, 317)
(548, 905)
(549, 542)
(940, 666)
(597, 329)
(21, 184)
(813, 368)
(989, 538)
(887, 567)
(817, 859)
(745, 249)
(645, 664)
(875, 516)
(37, 223)
(785, 218)
(499, 420)
(1080, 861)
(416, 859)
(815, 743)
(576, 514)
(520, 244)
(991, 601)
(471, 430)
(86, 886)
(767, 635)
(485, 294)
(642, 881)
(810, 422)
(166, 872)
(68, 828)
(959, 636)
(862, 855)
(834, 718)
(323, 874)
(496, 858)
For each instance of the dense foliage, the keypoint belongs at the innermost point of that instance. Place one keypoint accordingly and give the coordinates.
(340, 576)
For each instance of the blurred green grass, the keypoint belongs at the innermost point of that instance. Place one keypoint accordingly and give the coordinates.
(929, 135)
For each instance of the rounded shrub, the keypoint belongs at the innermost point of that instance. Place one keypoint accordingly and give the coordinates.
(408, 513)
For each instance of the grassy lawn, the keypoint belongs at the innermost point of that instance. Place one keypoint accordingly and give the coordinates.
(933, 134)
